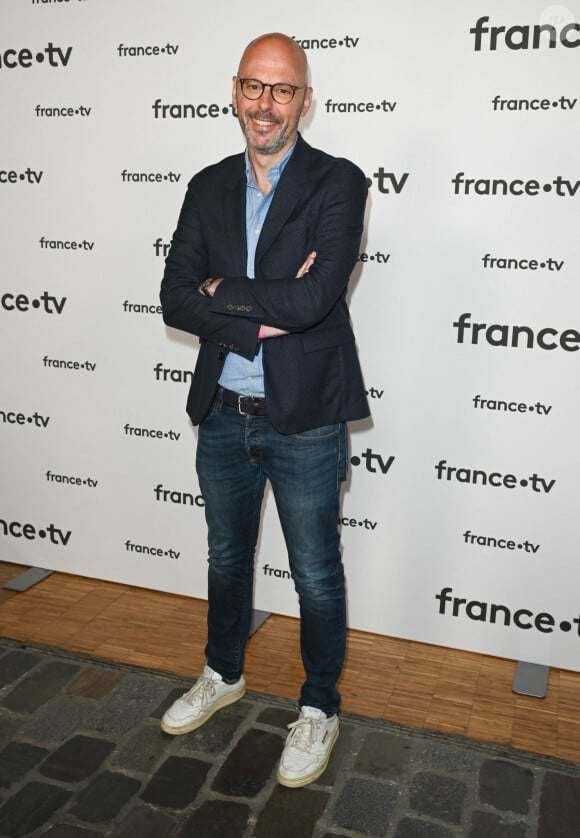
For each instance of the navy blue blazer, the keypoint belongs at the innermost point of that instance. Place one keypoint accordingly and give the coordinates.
(312, 375)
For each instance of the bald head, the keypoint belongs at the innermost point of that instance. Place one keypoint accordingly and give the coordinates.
(281, 49)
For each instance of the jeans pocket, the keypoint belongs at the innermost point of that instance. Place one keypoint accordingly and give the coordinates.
(318, 434)
(215, 410)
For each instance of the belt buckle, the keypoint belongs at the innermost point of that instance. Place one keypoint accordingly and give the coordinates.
(255, 402)
(240, 411)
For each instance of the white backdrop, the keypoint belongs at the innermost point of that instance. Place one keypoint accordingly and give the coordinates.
(463, 492)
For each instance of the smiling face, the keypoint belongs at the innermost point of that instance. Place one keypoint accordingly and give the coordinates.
(271, 128)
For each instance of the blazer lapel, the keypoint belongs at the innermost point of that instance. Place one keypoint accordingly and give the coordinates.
(234, 209)
(288, 192)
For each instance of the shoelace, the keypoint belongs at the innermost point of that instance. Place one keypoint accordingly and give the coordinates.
(303, 734)
(201, 692)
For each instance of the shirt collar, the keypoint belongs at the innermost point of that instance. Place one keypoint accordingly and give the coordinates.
(274, 173)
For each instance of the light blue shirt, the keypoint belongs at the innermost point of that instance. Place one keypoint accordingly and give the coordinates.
(239, 374)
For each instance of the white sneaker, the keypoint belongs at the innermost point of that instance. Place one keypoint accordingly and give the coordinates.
(209, 694)
(307, 749)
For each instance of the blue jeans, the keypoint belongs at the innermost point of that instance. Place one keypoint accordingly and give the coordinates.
(235, 456)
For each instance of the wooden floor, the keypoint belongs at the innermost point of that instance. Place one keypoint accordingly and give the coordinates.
(412, 684)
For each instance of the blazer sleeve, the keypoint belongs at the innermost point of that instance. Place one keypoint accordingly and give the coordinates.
(299, 304)
(186, 266)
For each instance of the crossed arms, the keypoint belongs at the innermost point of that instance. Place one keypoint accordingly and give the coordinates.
(238, 306)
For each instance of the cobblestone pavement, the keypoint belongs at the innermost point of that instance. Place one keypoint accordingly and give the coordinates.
(82, 756)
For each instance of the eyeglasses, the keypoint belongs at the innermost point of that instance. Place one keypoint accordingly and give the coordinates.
(281, 92)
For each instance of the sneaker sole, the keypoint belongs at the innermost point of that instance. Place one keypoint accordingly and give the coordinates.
(230, 698)
(297, 782)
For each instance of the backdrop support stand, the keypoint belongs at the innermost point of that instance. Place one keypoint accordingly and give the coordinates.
(531, 679)
(27, 579)
(258, 619)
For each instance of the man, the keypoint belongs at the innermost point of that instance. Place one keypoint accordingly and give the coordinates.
(258, 268)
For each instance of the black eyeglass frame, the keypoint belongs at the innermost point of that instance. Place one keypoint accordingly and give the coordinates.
(293, 88)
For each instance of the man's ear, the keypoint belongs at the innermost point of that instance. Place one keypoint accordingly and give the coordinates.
(307, 101)
(235, 92)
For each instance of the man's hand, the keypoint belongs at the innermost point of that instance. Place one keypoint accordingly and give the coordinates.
(306, 265)
(209, 290)
(271, 332)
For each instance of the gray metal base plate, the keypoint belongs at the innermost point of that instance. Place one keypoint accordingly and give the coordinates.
(531, 679)
(258, 619)
(27, 579)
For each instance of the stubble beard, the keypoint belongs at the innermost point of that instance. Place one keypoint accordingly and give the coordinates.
(275, 145)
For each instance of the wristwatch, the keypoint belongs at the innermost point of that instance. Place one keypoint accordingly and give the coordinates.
(202, 288)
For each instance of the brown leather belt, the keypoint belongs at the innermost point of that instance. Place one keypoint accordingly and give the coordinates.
(245, 405)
